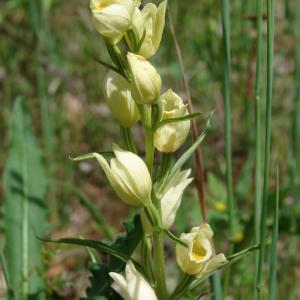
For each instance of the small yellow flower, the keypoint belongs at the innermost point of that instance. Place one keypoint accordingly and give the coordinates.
(118, 97)
(220, 206)
(239, 236)
(170, 137)
(146, 82)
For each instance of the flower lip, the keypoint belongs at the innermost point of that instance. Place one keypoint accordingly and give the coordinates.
(201, 250)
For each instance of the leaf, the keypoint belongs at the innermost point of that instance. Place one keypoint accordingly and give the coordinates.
(107, 154)
(179, 119)
(109, 66)
(127, 242)
(25, 187)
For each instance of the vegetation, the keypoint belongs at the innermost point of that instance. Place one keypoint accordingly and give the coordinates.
(61, 220)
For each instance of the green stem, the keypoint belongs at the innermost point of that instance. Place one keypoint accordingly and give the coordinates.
(227, 125)
(257, 209)
(158, 242)
(159, 261)
(268, 120)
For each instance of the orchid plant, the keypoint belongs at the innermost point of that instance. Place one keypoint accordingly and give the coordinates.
(133, 92)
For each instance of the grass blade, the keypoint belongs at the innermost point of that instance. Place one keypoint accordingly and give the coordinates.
(227, 125)
(258, 154)
(24, 210)
(273, 250)
(268, 122)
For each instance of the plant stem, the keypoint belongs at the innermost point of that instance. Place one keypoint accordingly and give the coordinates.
(158, 242)
(268, 120)
(159, 260)
(257, 208)
(227, 125)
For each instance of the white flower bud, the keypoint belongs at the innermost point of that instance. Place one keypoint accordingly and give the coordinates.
(118, 97)
(152, 21)
(146, 82)
(172, 196)
(112, 18)
(170, 137)
(198, 259)
(132, 286)
(128, 176)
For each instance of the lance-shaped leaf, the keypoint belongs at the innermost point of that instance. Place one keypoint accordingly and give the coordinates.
(25, 187)
(179, 119)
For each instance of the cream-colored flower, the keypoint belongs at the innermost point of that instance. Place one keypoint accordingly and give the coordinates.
(112, 18)
(172, 196)
(198, 258)
(168, 138)
(128, 175)
(132, 286)
(150, 20)
(146, 82)
(118, 97)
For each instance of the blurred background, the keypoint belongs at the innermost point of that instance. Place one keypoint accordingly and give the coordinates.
(47, 58)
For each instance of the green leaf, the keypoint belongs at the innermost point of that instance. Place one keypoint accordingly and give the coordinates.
(174, 238)
(109, 66)
(25, 187)
(92, 244)
(179, 119)
(127, 242)
(107, 154)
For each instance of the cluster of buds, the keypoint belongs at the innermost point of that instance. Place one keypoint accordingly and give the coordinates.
(133, 92)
